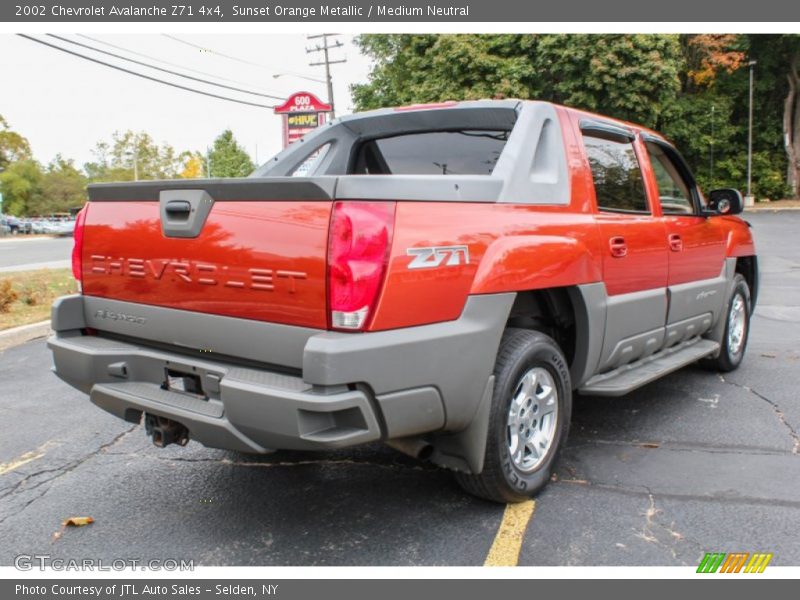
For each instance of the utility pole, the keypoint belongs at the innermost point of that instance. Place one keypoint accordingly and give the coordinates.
(326, 61)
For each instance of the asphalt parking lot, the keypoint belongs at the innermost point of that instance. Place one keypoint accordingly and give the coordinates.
(694, 463)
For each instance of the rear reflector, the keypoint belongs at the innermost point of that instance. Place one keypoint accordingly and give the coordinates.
(358, 252)
(77, 246)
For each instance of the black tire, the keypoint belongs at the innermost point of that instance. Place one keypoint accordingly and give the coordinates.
(501, 480)
(728, 359)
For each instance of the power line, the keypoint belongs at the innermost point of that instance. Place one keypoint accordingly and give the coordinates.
(149, 66)
(159, 60)
(142, 75)
(238, 59)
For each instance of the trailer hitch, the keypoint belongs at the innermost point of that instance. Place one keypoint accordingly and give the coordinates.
(165, 431)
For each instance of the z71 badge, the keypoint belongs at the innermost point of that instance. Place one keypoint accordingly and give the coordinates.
(436, 256)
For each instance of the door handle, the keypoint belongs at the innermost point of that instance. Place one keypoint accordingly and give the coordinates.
(618, 247)
(675, 242)
(178, 209)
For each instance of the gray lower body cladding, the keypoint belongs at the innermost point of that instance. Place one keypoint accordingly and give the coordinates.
(346, 389)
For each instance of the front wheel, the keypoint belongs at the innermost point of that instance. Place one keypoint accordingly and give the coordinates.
(529, 418)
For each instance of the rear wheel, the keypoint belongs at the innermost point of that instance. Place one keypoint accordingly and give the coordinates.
(737, 328)
(529, 418)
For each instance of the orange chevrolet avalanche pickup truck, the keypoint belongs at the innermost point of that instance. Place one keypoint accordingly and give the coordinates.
(441, 277)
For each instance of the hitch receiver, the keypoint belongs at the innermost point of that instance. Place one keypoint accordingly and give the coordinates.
(165, 431)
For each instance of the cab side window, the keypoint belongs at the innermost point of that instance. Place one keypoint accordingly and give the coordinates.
(674, 192)
(617, 176)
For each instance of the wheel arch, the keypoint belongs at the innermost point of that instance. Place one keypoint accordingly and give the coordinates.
(574, 316)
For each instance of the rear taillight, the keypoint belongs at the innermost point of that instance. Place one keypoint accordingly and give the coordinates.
(77, 246)
(358, 252)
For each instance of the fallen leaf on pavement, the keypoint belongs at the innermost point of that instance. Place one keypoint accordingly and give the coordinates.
(71, 522)
(77, 521)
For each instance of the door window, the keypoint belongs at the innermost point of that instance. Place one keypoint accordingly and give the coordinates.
(674, 193)
(617, 176)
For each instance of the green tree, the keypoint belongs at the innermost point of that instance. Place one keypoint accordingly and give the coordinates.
(627, 76)
(228, 158)
(693, 88)
(701, 126)
(431, 68)
(21, 185)
(133, 156)
(631, 77)
(63, 187)
(13, 146)
(777, 102)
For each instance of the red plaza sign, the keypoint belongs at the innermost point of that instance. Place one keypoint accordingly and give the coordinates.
(301, 113)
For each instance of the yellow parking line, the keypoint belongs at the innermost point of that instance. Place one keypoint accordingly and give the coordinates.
(24, 459)
(508, 541)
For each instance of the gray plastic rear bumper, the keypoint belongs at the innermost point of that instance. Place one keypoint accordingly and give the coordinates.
(349, 388)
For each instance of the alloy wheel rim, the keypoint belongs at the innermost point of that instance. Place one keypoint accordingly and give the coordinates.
(532, 419)
(736, 325)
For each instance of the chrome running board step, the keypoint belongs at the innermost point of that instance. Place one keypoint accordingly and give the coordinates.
(629, 377)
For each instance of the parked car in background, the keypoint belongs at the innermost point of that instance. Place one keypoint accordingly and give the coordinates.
(62, 227)
(38, 226)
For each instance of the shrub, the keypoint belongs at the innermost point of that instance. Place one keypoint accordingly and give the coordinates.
(7, 295)
(33, 294)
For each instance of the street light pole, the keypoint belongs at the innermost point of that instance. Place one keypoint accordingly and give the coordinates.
(749, 200)
(711, 173)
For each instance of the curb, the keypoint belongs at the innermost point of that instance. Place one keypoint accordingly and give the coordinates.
(750, 209)
(24, 333)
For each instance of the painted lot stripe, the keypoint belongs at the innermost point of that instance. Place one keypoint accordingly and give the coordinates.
(508, 541)
(24, 459)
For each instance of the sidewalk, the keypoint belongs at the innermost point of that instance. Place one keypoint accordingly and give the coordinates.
(775, 205)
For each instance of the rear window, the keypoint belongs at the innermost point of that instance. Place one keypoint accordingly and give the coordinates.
(465, 152)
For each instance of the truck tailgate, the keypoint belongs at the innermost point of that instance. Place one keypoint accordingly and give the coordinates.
(253, 259)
